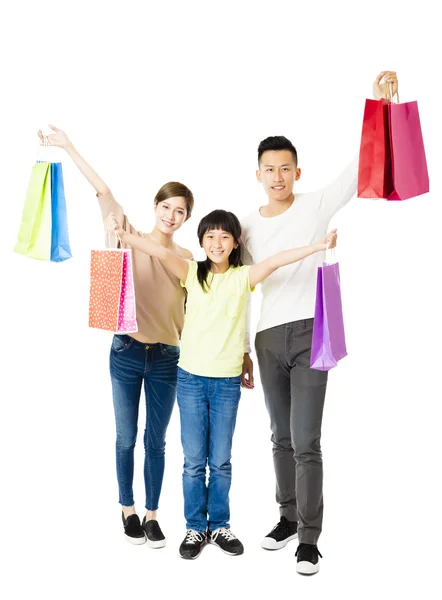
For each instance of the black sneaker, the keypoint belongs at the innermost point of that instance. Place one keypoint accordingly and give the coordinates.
(225, 539)
(192, 544)
(132, 529)
(308, 561)
(281, 535)
(154, 536)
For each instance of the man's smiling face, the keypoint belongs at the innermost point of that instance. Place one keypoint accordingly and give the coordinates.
(278, 173)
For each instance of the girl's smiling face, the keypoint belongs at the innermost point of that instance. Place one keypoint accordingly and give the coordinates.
(218, 245)
(170, 214)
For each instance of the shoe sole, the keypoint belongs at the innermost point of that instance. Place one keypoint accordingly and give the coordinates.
(225, 551)
(307, 568)
(189, 557)
(269, 543)
(157, 544)
(135, 541)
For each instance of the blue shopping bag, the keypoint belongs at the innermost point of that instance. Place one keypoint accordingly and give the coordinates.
(60, 248)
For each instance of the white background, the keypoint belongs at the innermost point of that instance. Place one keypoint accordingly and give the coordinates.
(153, 92)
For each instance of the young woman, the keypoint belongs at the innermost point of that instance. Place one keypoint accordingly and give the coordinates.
(212, 349)
(149, 356)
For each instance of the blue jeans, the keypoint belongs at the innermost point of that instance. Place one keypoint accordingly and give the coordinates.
(131, 364)
(208, 409)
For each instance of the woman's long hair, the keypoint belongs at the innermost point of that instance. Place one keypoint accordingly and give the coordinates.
(226, 221)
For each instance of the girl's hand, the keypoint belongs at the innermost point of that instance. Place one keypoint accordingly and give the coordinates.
(59, 138)
(330, 241)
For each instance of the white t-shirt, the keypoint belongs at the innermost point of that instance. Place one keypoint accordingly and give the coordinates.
(289, 293)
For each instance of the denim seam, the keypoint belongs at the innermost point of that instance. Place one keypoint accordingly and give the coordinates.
(119, 467)
(121, 492)
(149, 466)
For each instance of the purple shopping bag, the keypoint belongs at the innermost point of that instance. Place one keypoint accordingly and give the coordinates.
(409, 165)
(328, 341)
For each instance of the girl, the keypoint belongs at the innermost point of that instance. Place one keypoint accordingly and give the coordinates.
(212, 348)
(149, 356)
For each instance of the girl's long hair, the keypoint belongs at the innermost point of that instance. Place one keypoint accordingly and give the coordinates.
(226, 221)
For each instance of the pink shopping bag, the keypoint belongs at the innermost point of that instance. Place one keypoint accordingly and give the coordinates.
(409, 164)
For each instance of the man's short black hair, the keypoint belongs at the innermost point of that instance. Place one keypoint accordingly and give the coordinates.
(277, 142)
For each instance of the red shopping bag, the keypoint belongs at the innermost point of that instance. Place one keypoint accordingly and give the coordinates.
(375, 175)
(392, 162)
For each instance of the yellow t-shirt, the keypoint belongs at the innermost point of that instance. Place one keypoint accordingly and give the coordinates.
(212, 341)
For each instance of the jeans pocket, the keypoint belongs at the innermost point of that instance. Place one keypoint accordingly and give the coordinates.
(120, 343)
(172, 351)
(235, 381)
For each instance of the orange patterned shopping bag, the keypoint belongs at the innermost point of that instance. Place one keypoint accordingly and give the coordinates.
(112, 295)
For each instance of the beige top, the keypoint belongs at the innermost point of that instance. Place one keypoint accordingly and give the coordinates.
(159, 296)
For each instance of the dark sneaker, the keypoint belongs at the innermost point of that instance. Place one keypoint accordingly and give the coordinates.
(308, 561)
(192, 544)
(154, 536)
(132, 529)
(281, 535)
(225, 539)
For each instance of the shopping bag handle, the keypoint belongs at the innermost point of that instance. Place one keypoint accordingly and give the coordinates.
(390, 94)
(108, 240)
(45, 144)
(50, 153)
(330, 255)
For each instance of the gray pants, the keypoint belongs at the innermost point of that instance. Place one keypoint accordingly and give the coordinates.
(294, 396)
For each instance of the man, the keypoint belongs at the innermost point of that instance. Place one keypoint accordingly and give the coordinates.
(294, 393)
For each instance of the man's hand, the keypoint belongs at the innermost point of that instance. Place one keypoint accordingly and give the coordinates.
(247, 373)
(388, 88)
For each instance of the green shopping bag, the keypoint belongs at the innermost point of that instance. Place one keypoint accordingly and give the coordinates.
(34, 236)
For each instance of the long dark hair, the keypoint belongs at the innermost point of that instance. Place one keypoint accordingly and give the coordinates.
(226, 221)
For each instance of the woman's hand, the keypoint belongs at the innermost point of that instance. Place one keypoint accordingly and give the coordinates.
(59, 138)
(111, 224)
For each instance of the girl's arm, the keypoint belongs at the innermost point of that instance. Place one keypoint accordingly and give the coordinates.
(173, 263)
(262, 270)
(61, 140)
